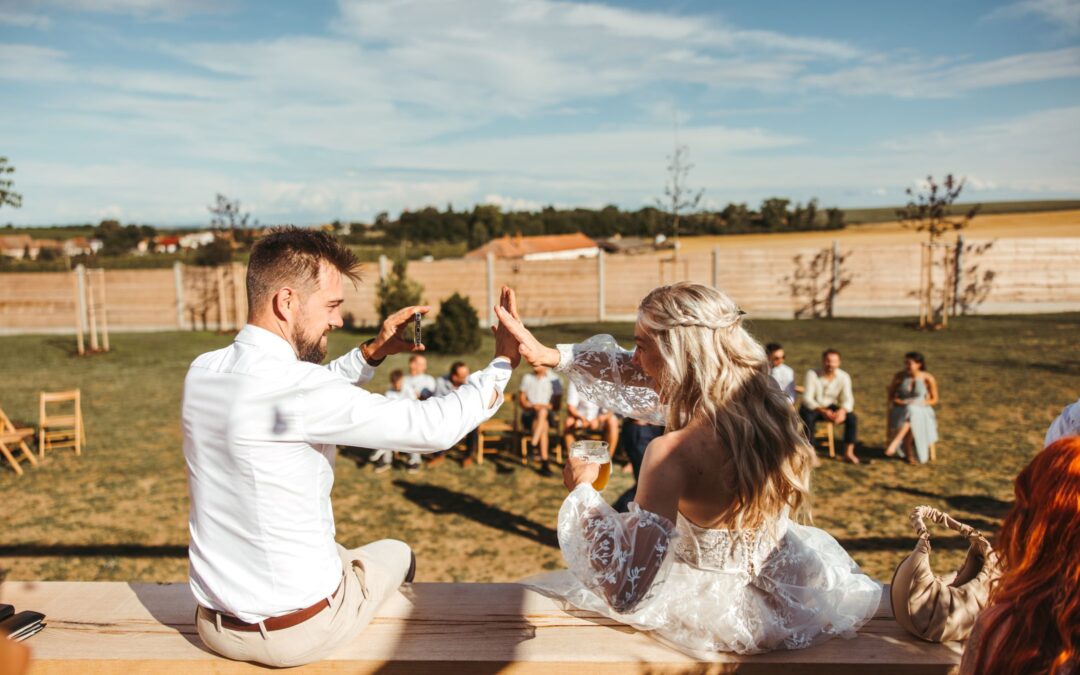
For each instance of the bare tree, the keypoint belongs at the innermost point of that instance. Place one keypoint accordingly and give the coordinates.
(678, 197)
(7, 195)
(930, 210)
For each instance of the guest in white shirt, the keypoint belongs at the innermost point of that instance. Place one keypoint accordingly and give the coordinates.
(584, 415)
(539, 396)
(780, 371)
(261, 424)
(418, 381)
(827, 395)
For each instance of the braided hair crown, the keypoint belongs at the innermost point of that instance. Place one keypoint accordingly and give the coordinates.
(690, 305)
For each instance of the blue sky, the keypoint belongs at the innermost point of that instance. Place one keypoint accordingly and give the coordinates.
(307, 112)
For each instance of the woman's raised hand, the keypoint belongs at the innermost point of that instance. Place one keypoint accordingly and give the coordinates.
(530, 348)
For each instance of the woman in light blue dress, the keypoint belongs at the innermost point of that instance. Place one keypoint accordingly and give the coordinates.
(913, 393)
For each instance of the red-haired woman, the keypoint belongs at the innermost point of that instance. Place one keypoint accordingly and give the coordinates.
(1032, 624)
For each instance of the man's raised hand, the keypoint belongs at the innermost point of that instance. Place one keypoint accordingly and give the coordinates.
(395, 335)
(505, 343)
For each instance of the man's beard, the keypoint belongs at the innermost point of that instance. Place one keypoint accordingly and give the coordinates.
(308, 349)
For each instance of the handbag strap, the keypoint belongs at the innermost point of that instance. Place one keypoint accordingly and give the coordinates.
(920, 514)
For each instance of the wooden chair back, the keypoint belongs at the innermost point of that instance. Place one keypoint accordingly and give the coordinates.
(60, 421)
(13, 440)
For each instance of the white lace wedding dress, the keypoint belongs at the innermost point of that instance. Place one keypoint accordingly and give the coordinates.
(701, 590)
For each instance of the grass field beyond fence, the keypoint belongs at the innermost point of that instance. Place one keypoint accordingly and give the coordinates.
(120, 511)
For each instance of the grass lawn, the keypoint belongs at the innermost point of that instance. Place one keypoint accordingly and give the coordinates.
(119, 512)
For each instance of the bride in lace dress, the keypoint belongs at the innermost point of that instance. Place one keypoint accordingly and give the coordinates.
(710, 557)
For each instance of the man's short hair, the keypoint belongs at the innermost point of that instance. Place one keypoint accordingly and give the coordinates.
(292, 256)
(826, 353)
(772, 347)
(415, 357)
(396, 375)
(455, 366)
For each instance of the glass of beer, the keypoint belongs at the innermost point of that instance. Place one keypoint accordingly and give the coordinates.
(594, 452)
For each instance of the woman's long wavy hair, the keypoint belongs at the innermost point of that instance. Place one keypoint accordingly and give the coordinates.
(716, 372)
(1038, 544)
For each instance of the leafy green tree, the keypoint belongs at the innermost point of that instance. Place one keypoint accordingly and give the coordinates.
(774, 213)
(217, 252)
(456, 329)
(7, 195)
(396, 291)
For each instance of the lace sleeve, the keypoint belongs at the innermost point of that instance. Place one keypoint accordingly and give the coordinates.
(603, 373)
(622, 557)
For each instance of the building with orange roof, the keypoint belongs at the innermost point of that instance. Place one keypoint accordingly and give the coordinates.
(544, 247)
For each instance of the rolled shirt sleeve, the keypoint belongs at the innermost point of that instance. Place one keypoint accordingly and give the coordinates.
(353, 367)
(333, 411)
(847, 398)
(810, 390)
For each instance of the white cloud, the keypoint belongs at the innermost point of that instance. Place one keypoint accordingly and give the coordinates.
(939, 77)
(11, 17)
(1063, 13)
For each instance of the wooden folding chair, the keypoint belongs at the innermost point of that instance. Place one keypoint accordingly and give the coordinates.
(829, 435)
(15, 437)
(63, 429)
(496, 429)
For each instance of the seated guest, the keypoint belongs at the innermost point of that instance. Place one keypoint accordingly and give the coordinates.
(827, 395)
(913, 392)
(459, 373)
(1066, 424)
(635, 438)
(445, 385)
(780, 371)
(584, 415)
(540, 395)
(384, 459)
(1032, 621)
(418, 381)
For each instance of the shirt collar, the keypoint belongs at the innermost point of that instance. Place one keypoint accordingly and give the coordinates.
(260, 338)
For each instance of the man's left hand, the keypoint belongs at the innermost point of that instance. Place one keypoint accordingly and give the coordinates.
(395, 336)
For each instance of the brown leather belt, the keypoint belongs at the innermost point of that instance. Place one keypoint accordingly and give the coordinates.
(278, 622)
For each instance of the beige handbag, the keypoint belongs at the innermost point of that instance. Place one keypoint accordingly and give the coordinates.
(940, 609)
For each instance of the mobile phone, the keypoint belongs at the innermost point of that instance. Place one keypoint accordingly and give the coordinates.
(416, 336)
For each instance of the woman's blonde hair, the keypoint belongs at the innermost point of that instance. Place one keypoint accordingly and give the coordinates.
(715, 371)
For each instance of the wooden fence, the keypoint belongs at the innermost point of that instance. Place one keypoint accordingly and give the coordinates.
(994, 277)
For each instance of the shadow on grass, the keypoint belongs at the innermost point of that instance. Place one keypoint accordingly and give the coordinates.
(114, 550)
(440, 500)
(990, 507)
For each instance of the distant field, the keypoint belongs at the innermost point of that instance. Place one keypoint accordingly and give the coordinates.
(119, 512)
(1005, 225)
(888, 213)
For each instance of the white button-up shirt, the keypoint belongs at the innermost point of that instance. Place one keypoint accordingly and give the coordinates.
(785, 378)
(261, 430)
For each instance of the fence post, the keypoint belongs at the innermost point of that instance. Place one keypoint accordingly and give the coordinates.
(834, 284)
(601, 309)
(384, 267)
(490, 258)
(957, 271)
(104, 312)
(716, 267)
(178, 284)
(78, 305)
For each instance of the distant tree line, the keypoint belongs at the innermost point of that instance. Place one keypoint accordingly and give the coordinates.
(483, 223)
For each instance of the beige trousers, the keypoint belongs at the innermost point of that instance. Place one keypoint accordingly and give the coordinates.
(371, 575)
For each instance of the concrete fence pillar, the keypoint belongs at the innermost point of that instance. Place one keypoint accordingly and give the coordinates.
(178, 285)
(492, 298)
(601, 308)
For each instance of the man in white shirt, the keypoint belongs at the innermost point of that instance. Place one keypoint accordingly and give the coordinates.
(779, 371)
(827, 395)
(418, 381)
(583, 414)
(539, 396)
(261, 423)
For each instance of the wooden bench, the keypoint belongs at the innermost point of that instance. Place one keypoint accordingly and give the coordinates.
(102, 628)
